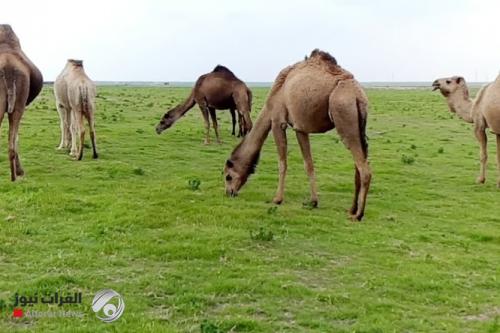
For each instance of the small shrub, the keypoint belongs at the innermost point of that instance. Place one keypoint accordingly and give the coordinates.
(413, 147)
(440, 150)
(139, 171)
(272, 210)
(208, 327)
(262, 235)
(194, 184)
(407, 159)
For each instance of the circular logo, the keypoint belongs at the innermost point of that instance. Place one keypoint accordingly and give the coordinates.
(108, 305)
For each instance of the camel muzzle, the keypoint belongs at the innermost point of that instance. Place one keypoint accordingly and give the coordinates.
(159, 130)
(231, 193)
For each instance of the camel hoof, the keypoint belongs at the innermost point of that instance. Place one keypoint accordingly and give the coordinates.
(480, 180)
(310, 204)
(278, 201)
(356, 217)
(498, 184)
(206, 142)
(95, 156)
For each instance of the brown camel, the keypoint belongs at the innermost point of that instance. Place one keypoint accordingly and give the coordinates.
(217, 90)
(312, 96)
(483, 111)
(20, 83)
(75, 99)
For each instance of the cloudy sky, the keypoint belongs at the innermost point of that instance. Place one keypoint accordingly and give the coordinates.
(148, 40)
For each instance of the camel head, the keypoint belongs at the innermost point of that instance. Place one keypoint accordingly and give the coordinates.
(7, 36)
(166, 121)
(451, 85)
(234, 178)
(238, 169)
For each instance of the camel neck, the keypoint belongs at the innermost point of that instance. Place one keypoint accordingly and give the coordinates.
(253, 142)
(461, 105)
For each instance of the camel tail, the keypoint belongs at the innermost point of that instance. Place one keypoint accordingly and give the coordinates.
(362, 118)
(9, 79)
(84, 99)
(250, 98)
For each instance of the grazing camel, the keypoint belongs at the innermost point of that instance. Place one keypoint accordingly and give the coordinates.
(217, 90)
(20, 83)
(75, 98)
(483, 111)
(312, 96)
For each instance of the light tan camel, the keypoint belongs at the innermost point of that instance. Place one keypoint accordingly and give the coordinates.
(20, 83)
(483, 111)
(75, 98)
(217, 90)
(312, 96)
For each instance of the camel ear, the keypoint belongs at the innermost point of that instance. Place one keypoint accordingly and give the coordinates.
(229, 164)
(460, 79)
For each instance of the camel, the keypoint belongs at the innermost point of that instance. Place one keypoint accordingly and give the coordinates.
(75, 99)
(217, 90)
(483, 111)
(312, 96)
(20, 83)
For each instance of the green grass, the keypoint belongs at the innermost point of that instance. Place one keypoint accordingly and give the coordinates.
(150, 220)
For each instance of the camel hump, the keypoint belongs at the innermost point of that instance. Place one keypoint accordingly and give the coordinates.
(322, 55)
(223, 69)
(8, 36)
(76, 62)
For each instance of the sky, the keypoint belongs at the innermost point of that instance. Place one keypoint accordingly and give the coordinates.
(149, 40)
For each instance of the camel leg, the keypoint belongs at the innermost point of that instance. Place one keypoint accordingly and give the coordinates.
(240, 125)
(81, 126)
(213, 115)
(19, 168)
(204, 112)
(67, 128)
(345, 113)
(14, 120)
(233, 119)
(365, 176)
(90, 119)
(74, 127)
(305, 148)
(62, 116)
(480, 133)
(279, 134)
(498, 160)
(357, 184)
(243, 106)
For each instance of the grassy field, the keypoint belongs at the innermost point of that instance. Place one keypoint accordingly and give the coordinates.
(150, 220)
